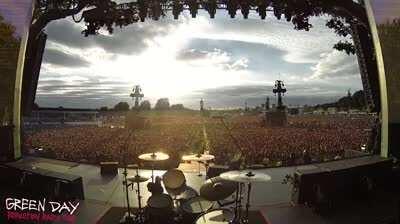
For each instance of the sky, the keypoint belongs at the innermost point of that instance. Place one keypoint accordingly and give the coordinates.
(226, 62)
(385, 10)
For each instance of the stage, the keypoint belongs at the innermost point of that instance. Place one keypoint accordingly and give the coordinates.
(272, 199)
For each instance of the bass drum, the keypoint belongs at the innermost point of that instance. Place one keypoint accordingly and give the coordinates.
(194, 207)
(217, 216)
(159, 209)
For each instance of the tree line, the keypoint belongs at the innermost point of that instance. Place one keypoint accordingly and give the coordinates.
(161, 104)
(355, 101)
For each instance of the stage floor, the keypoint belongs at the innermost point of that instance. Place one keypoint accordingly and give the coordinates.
(272, 198)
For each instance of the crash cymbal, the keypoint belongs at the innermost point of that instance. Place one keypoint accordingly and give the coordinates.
(216, 189)
(245, 176)
(198, 157)
(155, 156)
(137, 179)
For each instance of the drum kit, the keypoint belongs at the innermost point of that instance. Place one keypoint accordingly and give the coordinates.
(183, 205)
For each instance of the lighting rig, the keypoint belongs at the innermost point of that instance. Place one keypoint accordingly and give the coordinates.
(109, 14)
(138, 10)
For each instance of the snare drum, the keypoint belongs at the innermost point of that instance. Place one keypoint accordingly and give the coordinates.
(217, 216)
(160, 209)
(194, 207)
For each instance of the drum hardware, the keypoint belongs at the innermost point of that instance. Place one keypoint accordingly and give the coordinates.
(153, 157)
(244, 177)
(128, 217)
(137, 217)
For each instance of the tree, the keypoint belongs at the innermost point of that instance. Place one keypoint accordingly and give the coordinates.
(177, 107)
(121, 106)
(9, 46)
(358, 100)
(104, 108)
(145, 105)
(162, 104)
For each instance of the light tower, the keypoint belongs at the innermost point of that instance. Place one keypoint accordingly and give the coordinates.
(277, 116)
(280, 90)
(137, 95)
(267, 103)
(201, 104)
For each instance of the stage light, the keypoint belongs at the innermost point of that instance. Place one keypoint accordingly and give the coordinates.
(143, 7)
(211, 7)
(193, 7)
(245, 8)
(156, 9)
(232, 6)
(177, 8)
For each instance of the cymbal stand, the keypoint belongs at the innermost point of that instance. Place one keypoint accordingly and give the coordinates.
(152, 166)
(128, 218)
(139, 214)
(246, 219)
(238, 204)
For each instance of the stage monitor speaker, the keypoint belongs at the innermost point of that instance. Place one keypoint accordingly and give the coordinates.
(33, 62)
(342, 180)
(36, 182)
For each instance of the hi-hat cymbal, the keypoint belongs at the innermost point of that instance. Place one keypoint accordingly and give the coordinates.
(198, 157)
(155, 156)
(137, 179)
(216, 189)
(245, 176)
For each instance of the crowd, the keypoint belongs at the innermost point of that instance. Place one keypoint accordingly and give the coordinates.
(303, 140)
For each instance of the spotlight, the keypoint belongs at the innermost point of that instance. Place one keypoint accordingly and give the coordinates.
(211, 7)
(193, 7)
(156, 9)
(177, 8)
(245, 8)
(232, 6)
(143, 7)
(262, 8)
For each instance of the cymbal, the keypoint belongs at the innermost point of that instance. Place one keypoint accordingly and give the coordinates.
(155, 156)
(216, 189)
(198, 157)
(137, 179)
(245, 176)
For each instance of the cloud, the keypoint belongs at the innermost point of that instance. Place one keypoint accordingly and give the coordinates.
(215, 57)
(262, 59)
(336, 65)
(300, 46)
(229, 61)
(128, 40)
(62, 58)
